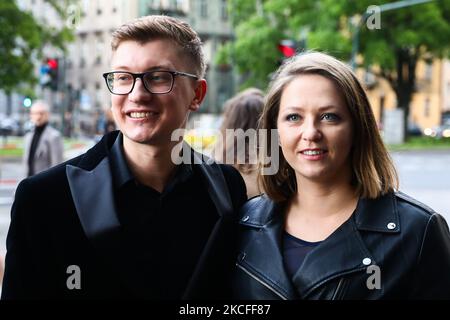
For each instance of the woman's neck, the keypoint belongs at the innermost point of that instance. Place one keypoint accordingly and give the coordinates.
(317, 209)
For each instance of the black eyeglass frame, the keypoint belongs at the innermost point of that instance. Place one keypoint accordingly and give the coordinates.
(142, 75)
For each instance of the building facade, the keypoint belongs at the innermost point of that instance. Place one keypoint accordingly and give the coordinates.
(210, 19)
(428, 103)
(90, 56)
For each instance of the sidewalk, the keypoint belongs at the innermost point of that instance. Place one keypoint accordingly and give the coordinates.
(12, 170)
(12, 151)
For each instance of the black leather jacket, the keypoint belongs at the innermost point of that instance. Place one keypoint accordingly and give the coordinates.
(392, 247)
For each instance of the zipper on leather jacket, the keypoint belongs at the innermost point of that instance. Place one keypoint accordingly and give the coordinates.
(268, 286)
(337, 293)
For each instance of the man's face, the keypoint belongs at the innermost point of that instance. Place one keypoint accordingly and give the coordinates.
(149, 118)
(39, 115)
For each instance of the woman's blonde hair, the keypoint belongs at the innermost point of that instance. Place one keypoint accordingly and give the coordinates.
(373, 172)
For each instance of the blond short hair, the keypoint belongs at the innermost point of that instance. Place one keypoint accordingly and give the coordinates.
(154, 27)
(373, 172)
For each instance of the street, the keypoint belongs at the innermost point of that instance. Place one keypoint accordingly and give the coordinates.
(423, 175)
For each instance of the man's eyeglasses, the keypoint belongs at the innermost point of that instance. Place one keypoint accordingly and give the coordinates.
(159, 82)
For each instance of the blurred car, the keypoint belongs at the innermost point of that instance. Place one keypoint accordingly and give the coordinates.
(442, 131)
(414, 130)
(9, 127)
(27, 126)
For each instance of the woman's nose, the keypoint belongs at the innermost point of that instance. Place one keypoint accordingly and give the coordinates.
(311, 131)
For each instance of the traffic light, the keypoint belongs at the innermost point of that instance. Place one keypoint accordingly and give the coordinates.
(27, 102)
(287, 47)
(49, 74)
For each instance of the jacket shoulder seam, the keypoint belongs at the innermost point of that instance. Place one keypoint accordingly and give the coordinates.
(415, 203)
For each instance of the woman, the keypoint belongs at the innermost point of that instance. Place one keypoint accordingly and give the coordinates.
(242, 112)
(331, 225)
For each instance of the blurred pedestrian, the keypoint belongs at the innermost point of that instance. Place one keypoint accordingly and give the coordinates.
(43, 146)
(242, 112)
(126, 219)
(331, 224)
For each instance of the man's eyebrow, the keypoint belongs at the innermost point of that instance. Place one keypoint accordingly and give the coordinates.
(154, 68)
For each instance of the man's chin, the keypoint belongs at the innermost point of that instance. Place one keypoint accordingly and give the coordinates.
(147, 139)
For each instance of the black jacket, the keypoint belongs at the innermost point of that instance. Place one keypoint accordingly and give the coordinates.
(66, 216)
(395, 238)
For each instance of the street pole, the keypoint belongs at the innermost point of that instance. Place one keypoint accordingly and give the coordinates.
(357, 23)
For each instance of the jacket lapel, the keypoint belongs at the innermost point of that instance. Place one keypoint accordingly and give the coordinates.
(92, 193)
(344, 251)
(216, 186)
(94, 204)
(214, 256)
(266, 242)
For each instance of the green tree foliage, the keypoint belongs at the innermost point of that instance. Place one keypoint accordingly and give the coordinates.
(406, 36)
(22, 39)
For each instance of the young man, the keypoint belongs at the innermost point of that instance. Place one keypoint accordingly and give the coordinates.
(123, 220)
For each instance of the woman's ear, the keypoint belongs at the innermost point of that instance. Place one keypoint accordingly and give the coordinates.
(200, 92)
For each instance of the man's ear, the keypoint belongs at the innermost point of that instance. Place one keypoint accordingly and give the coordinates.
(200, 92)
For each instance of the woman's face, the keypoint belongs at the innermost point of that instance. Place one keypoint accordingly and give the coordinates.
(315, 129)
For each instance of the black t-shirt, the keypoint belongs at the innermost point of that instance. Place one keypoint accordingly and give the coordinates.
(295, 251)
(166, 231)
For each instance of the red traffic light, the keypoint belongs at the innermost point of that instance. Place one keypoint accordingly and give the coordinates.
(287, 48)
(52, 63)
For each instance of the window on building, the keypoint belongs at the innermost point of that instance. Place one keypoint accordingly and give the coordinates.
(224, 10)
(428, 71)
(203, 8)
(426, 108)
(84, 52)
(99, 46)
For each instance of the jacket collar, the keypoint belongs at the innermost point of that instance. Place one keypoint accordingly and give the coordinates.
(91, 187)
(380, 214)
(261, 256)
(350, 254)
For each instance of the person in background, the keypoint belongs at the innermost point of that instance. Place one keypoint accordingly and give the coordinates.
(242, 112)
(43, 146)
(331, 224)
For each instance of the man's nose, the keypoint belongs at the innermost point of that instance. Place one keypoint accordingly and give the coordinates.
(139, 91)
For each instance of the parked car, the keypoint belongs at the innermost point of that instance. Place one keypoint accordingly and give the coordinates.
(414, 130)
(442, 131)
(9, 127)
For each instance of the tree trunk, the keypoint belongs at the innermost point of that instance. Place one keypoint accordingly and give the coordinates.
(404, 85)
(8, 104)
